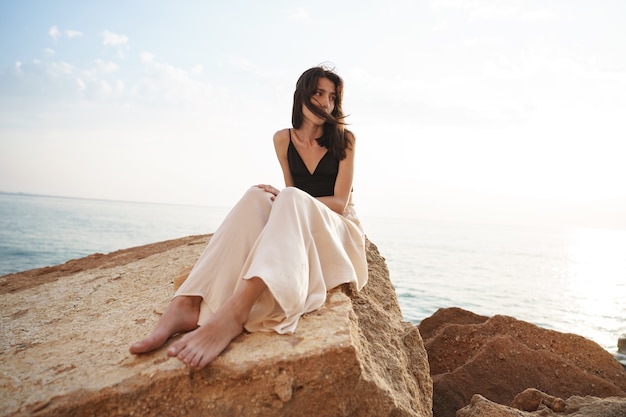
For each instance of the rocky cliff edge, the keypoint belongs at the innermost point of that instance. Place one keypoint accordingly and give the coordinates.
(66, 332)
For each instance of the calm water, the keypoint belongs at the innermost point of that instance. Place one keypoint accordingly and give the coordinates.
(566, 280)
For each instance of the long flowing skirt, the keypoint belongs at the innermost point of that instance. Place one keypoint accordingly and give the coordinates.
(295, 244)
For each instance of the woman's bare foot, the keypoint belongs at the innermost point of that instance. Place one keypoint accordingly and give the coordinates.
(200, 347)
(180, 316)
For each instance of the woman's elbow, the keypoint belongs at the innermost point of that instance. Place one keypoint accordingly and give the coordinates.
(339, 205)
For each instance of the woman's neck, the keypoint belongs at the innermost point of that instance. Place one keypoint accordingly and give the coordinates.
(309, 133)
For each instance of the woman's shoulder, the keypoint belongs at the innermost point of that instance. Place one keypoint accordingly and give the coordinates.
(281, 139)
(282, 136)
(350, 139)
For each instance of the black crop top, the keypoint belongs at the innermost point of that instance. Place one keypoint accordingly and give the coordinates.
(321, 182)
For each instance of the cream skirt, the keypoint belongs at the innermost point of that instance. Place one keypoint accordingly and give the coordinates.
(295, 244)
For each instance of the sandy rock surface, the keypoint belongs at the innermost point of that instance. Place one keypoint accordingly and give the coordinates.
(66, 332)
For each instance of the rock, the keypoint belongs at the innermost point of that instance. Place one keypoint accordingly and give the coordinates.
(499, 357)
(479, 406)
(531, 399)
(589, 406)
(621, 344)
(574, 406)
(66, 332)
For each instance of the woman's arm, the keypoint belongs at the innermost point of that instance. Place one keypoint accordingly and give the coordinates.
(281, 144)
(343, 184)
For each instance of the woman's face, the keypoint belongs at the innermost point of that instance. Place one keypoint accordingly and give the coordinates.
(323, 98)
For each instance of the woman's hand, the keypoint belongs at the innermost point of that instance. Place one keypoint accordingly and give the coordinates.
(269, 189)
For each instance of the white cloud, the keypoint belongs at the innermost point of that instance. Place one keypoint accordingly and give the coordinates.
(120, 87)
(240, 63)
(54, 33)
(542, 14)
(446, 3)
(146, 57)
(105, 87)
(547, 63)
(493, 11)
(245, 65)
(101, 81)
(117, 41)
(299, 14)
(48, 52)
(488, 9)
(61, 68)
(502, 67)
(73, 34)
(441, 26)
(106, 67)
(113, 39)
(176, 86)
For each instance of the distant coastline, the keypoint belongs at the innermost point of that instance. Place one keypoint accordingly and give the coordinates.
(66, 197)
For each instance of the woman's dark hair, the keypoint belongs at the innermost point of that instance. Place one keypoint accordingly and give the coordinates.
(334, 137)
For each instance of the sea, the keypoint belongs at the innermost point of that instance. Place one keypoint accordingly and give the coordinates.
(569, 280)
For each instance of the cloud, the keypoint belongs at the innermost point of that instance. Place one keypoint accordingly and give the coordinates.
(106, 67)
(54, 33)
(61, 68)
(48, 52)
(146, 57)
(113, 39)
(240, 63)
(245, 65)
(81, 84)
(299, 14)
(549, 64)
(103, 81)
(73, 34)
(493, 11)
(542, 14)
(172, 85)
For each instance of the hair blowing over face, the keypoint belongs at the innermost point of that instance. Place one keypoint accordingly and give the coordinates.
(334, 137)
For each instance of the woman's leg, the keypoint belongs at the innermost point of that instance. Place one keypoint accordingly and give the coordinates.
(218, 270)
(214, 277)
(180, 316)
(203, 345)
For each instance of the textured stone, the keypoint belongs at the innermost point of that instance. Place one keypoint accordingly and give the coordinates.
(66, 332)
(621, 344)
(479, 406)
(574, 406)
(499, 357)
(531, 399)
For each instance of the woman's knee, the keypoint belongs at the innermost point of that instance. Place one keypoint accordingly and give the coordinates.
(292, 194)
(255, 195)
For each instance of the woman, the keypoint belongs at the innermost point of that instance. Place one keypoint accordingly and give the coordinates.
(277, 252)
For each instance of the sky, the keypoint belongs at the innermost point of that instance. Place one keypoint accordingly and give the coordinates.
(506, 112)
